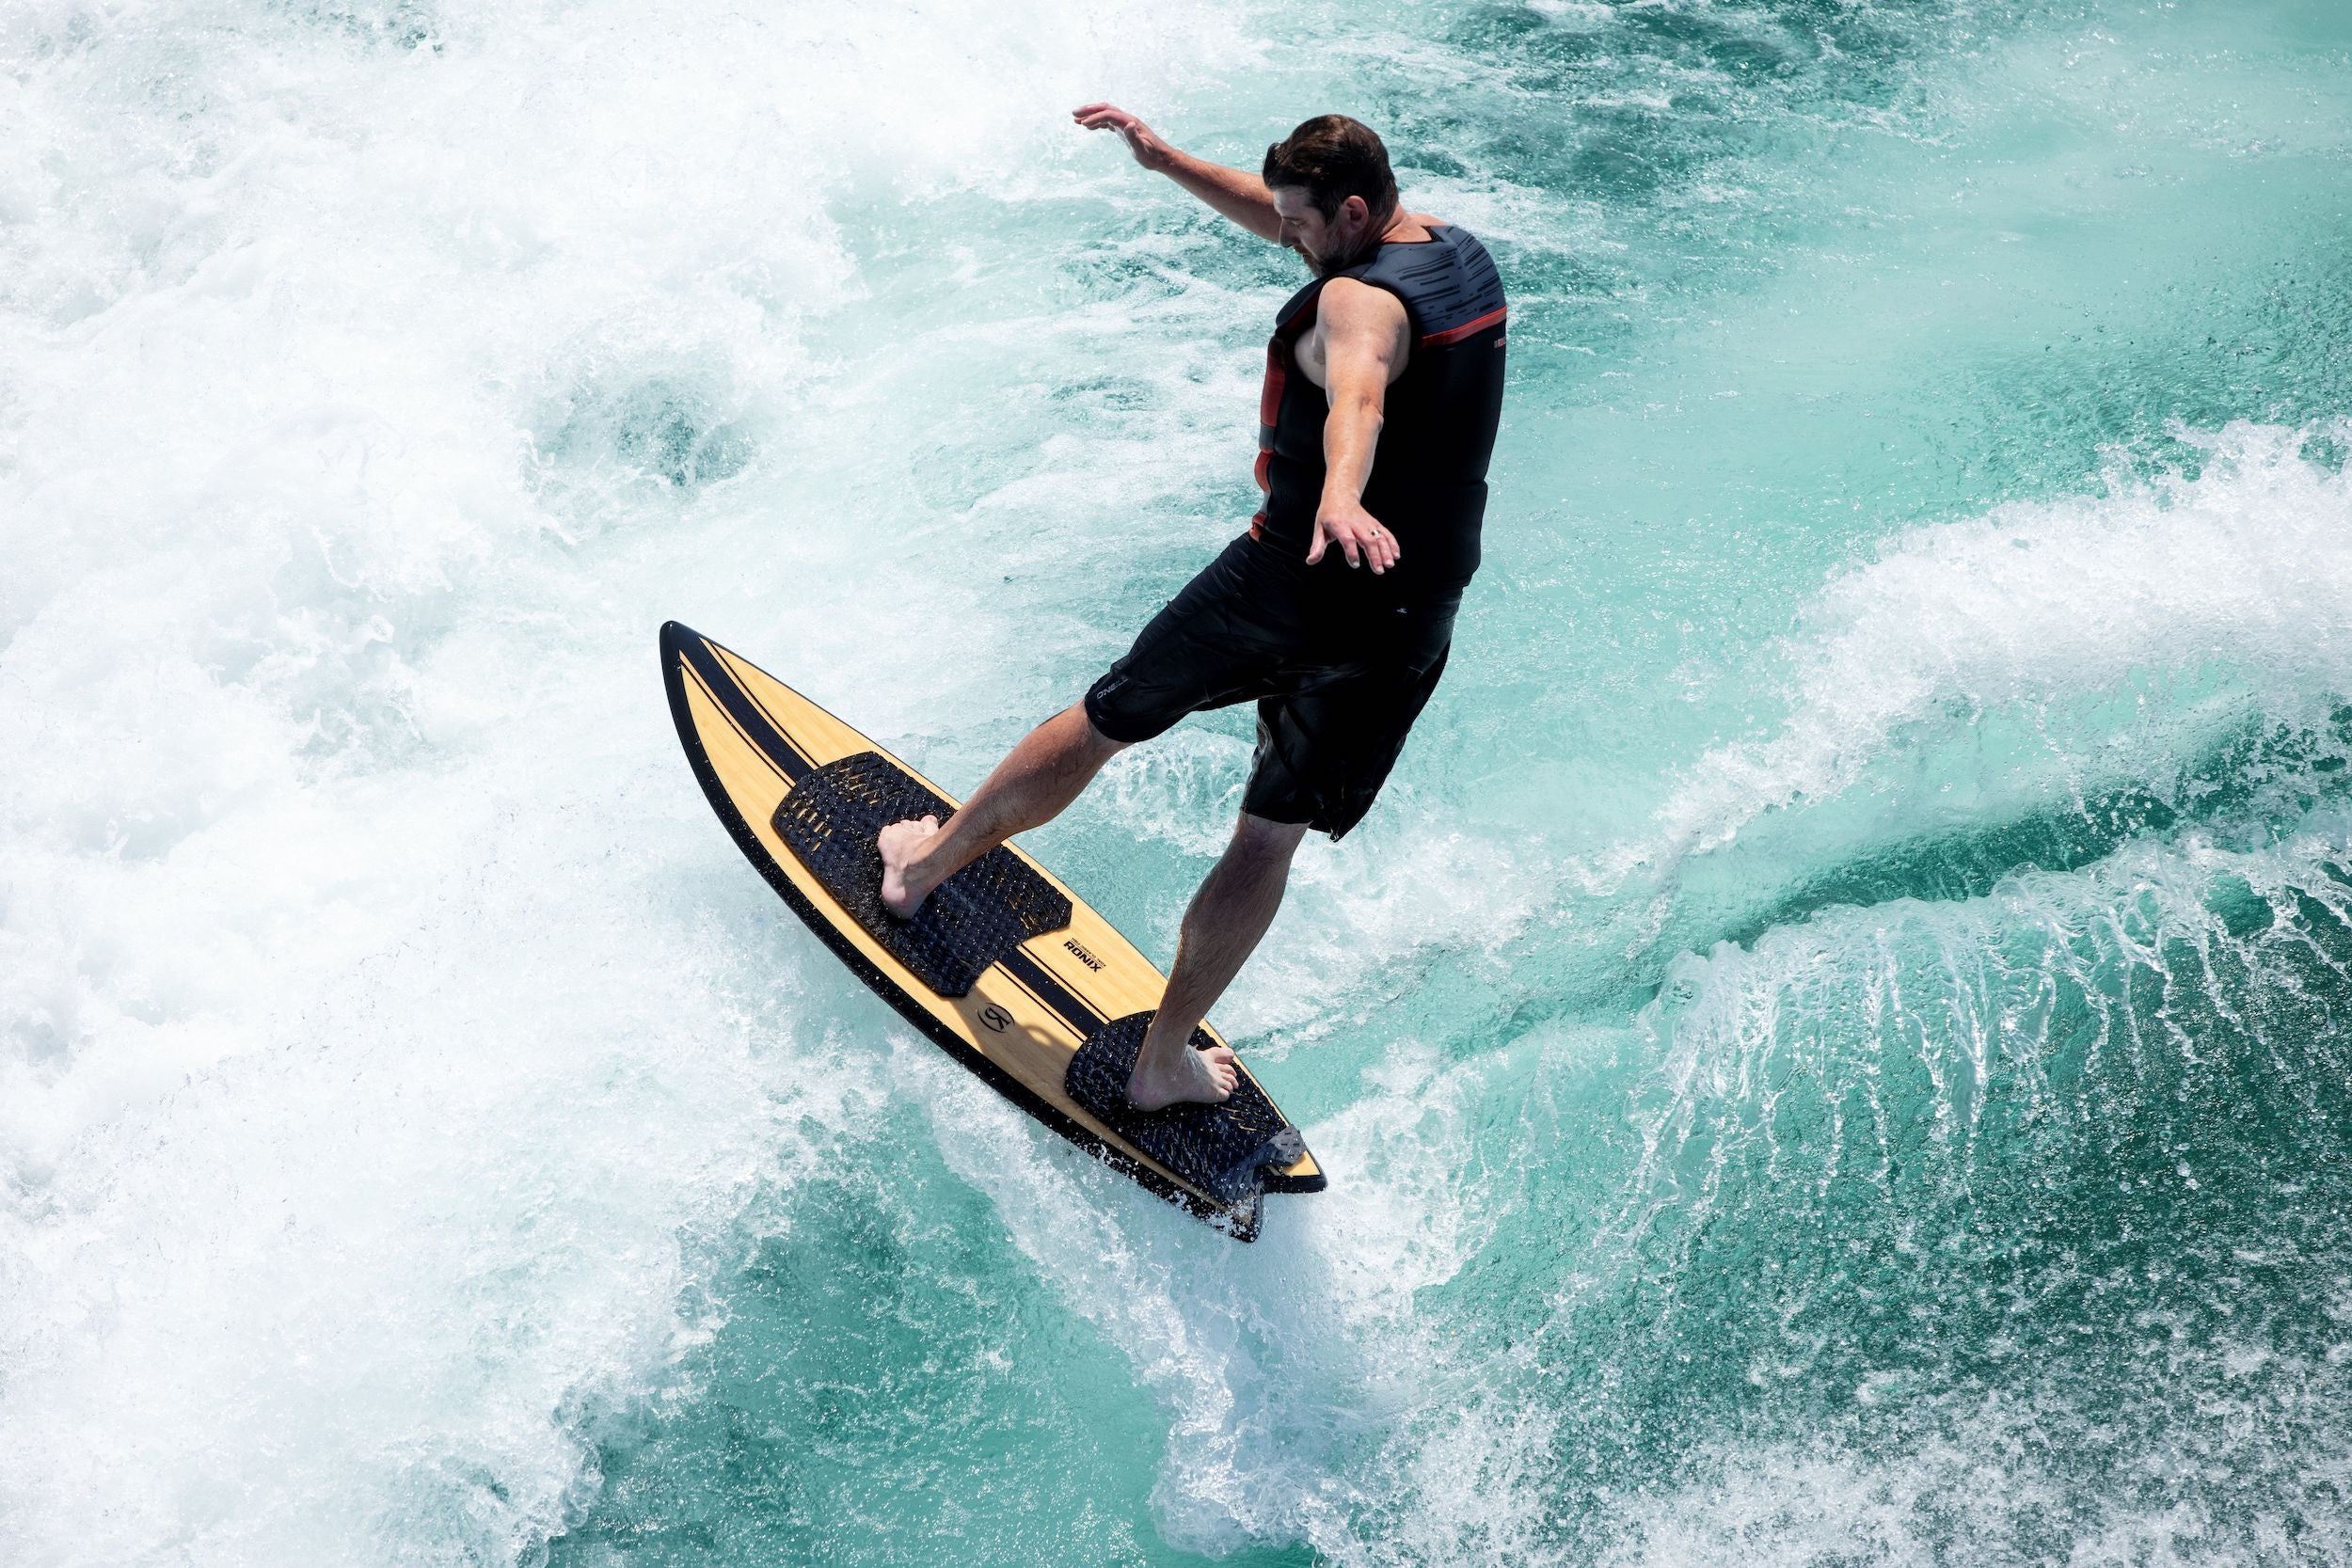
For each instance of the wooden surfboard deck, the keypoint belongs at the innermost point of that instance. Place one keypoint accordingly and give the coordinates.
(750, 739)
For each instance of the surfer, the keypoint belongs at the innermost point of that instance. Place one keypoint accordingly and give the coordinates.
(1335, 611)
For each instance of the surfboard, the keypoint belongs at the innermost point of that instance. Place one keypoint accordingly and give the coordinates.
(1004, 968)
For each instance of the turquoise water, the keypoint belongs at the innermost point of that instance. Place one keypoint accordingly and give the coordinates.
(1831, 1049)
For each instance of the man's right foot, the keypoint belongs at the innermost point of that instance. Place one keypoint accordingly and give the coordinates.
(1197, 1077)
(899, 843)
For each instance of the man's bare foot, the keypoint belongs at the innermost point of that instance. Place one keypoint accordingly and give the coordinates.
(1196, 1077)
(899, 843)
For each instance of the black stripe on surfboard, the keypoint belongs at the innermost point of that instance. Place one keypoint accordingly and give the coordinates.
(677, 644)
(757, 726)
(1082, 1017)
(729, 719)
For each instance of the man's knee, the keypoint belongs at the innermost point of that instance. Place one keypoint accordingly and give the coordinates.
(1079, 730)
(1261, 838)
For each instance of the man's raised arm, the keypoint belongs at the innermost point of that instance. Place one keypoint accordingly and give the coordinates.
(1240, 197)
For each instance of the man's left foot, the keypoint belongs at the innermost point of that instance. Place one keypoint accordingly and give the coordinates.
(899, 843)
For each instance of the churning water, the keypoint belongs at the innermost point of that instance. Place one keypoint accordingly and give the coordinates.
(1833, 1049)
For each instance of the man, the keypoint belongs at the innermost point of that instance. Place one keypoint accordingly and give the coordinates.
(1335, 611)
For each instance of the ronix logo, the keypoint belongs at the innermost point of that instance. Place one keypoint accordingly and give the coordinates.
(1084, 957)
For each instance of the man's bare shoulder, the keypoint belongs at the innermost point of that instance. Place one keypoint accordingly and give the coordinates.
(1353, 301)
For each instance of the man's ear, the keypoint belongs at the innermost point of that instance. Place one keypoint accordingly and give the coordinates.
(1358, 210)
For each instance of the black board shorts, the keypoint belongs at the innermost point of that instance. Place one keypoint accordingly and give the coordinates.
(1340, 662)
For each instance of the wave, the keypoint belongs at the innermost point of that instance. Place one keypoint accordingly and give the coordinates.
(1989, 1229)
(2044, 680)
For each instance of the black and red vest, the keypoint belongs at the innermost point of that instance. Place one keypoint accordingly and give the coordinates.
(1428, 482)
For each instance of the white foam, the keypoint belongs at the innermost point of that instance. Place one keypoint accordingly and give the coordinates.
(376, 1077)
(1969, 1492)
(2245, 568)
(1286, 1365)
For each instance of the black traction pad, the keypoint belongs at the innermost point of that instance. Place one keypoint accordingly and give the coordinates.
(1223, 1150)
(973, 919)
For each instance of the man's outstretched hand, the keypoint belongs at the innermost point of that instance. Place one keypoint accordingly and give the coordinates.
(1359, 535)
(1144, 142)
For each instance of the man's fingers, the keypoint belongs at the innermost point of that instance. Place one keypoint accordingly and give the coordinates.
(1370, 546)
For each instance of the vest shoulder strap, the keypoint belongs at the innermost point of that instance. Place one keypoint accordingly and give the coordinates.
(1450, 287)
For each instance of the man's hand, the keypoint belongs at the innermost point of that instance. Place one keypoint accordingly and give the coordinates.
(1238, 195)
(1356, 532)
(1144, 142)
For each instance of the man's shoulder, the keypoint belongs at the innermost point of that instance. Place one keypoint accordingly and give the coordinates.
(1353, 305)
(1352, 297)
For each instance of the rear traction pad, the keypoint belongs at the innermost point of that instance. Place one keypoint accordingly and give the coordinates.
(1223, 1150)
(977, 916)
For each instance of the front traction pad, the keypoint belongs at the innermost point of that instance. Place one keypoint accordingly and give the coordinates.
(975, 918)
(1222, 1149)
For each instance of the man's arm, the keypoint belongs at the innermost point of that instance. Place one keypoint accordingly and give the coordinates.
(1365, 331)
(1240, 197)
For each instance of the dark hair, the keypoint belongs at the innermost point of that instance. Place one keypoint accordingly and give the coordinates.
(1333, 157)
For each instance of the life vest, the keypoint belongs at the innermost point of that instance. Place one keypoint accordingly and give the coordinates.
(1428, 482)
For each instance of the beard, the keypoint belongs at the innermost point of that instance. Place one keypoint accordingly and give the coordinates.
(1339, 260)
(1326, 265)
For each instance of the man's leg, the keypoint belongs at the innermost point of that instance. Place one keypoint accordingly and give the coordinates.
(1050, 768)
(1221, 928)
